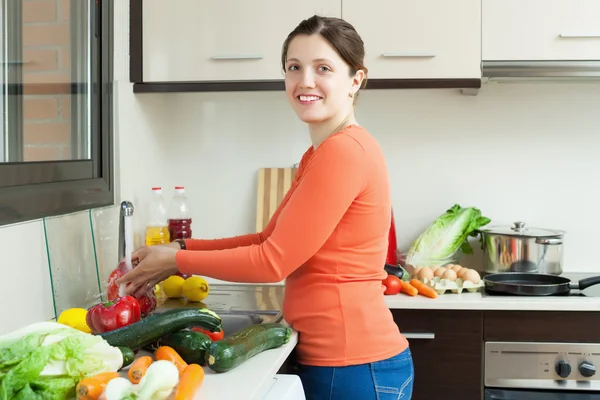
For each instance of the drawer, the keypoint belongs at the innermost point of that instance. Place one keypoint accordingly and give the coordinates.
(447, 352)
(517, 30)
(541, 326)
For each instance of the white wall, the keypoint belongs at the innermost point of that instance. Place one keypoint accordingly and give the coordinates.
(517, 151)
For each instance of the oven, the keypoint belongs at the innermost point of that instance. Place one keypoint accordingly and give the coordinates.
(541, 371)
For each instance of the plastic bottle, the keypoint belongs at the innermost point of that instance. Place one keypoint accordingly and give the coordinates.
(157, 230)
(180, 218)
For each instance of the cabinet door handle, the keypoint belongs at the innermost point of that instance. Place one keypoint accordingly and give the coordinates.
(589, 35)
(238, 57)
(423, 336)
(396, 54)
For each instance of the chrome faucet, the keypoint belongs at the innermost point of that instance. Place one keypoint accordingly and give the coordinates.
(126, 211)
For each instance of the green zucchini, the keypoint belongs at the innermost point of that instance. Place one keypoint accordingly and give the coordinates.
(153, 327)
(128, 355)
(230, 352)
(191, 346)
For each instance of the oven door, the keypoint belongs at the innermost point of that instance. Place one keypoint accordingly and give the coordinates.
(511, 394)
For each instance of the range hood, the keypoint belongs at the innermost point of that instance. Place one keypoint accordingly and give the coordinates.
(503, 71)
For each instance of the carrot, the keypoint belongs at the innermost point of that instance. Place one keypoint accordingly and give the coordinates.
(423, 288)
(92, 388)
(137, 370)
(408, 288)
(190, 382)
(169, 354)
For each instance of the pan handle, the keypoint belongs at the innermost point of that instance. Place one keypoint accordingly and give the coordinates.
(587, 282)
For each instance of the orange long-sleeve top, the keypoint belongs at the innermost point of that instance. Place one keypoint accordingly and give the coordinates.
(328, 239)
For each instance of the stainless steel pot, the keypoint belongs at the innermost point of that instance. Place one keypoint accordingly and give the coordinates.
(522, 249)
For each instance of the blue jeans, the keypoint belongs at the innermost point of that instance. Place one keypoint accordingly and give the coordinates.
(390, 379)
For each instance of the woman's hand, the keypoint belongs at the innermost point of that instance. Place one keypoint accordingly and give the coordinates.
(155, 264)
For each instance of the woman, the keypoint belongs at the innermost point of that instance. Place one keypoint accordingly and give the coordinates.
(328, 237)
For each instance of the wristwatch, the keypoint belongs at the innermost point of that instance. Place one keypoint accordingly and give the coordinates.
(181, 243)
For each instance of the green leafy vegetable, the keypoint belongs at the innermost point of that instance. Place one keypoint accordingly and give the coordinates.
(46, 360)
(445, 236)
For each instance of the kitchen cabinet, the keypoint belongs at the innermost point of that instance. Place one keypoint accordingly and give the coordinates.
(541, 326)
(427, 39)
(215, 40)
(446, 346)
(550, 30)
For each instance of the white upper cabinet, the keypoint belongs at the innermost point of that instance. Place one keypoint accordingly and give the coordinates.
(425, 39)
(196, 40)
(535, 30)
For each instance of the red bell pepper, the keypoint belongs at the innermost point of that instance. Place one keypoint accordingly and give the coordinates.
(214, 336)
(106, 317)
(147, 300)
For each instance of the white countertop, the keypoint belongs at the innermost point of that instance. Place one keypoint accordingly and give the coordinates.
(249, 381)
(481, 301)
(585, 300)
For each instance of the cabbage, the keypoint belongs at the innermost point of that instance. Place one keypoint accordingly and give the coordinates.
(46, 360)
(445, 236)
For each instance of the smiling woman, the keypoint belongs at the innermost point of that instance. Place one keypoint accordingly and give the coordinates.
(328, 238)
(55, 124)
(323, 64)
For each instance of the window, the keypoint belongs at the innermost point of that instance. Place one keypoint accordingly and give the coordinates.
(56, 119)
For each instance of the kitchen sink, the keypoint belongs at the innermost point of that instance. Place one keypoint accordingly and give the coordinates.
(235, 322)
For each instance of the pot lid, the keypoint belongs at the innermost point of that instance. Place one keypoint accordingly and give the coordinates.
(520, 229)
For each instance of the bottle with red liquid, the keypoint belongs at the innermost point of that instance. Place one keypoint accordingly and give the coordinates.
(180, 218)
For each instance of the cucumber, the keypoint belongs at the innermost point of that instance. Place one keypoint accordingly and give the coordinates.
(191, 346)
(153, 327)
(128, 355)
(226, 354)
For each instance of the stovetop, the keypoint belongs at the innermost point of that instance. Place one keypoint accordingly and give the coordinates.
(592, 291)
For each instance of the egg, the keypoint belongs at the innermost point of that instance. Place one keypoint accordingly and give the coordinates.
(456, 268)
(450, 275)
(461, 272)
(416, 271)
(472, 276)
(440, 271)
(425, 273)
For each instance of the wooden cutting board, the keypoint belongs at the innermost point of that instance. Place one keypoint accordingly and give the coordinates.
(273, 184)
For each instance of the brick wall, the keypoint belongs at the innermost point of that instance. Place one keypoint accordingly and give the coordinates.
(47, 80)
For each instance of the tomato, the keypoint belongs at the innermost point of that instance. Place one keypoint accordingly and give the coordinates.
(392, 285)
(214, 336)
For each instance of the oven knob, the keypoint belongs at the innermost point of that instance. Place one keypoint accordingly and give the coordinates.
(563, 368)
(587, 369)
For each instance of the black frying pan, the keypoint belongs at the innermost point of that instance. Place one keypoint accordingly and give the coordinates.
(534, 284)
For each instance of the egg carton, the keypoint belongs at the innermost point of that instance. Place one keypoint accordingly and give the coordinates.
(442, 286)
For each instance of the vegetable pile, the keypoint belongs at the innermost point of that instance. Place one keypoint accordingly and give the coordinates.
(45, 360)
(82, 355)
(433, 256)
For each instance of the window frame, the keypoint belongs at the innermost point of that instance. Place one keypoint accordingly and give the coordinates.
(32, 190)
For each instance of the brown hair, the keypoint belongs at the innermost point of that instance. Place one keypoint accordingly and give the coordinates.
(339, 33)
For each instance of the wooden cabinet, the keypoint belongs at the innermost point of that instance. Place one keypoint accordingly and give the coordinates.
(541, 326)
(515, 30)
(213, 40)
(427, 39)
(446, 346)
